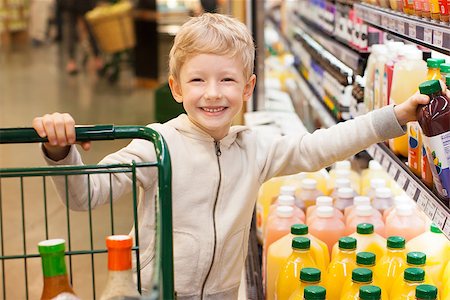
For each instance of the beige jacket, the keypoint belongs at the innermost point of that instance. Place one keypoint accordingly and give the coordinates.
(214, 190)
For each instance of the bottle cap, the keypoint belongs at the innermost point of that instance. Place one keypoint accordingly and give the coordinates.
(343, 182)
(52, 246)
(287, 190)
(309, 183)
(404, 210)
(342, 173)
(364, 210)
(402, 200)
(299, 229)
(287, 200)
(426, 292)
(435, 229)
(342, 165)
(416, 258)
(52, 254)
(383, 192)
(284, 211)
(361, 200)
(119, 252)
(445, 68)
(369, 292)
(119, 241)
(314, 292)
(376, 183)
(374, 165)
(325, 211)
(302, 243)
(324, 201)
(396, 242)
(345, 192)
(347, 242)
(310, 275)
(414, 274)
(435, 62)
(366, 258)
(430, 87)
(362, 275)
(364, 228)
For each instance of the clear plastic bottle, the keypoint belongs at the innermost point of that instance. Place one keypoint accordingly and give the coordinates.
(404, 222)
(342, 169)
(357, 201)
(426, 292)
(311, 212)
(340, 183)
(375, 183)
(308, 277)
(359, 278)
(378, 50)
(120, 277)
(327, 227)
(412, 277)
(383, 199)
(369, 292)
(344, 198)
(286, 200)
(308, 193)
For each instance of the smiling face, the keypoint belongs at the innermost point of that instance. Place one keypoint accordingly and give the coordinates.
(212, 89)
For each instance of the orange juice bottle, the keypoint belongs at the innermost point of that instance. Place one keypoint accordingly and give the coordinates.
(368, 241)
(412, 278)
(445, 293)
(392, 264)
(300, 258)
(344, 198)
(340, 267)
(434, 70)
(308, 277)
(404, 222)
(327, 227)
(365, 214)
(315, 292)
(415, 260)
(311, 212)
(368, 260)
(426, 292)
(280, 250)
(286, 200)
(359, 278)
(308, 193)
(370, 292)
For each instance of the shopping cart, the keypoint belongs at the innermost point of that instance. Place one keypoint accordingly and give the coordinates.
(20, 271)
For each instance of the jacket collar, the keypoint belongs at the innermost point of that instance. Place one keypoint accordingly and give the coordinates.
(183, 124)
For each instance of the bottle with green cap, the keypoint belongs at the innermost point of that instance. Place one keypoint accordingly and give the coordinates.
(370, 292)
(433, 119)
(412, 277)
(341, 267)
(444, 70)
(433, 65)
(367, 241)
(280, 250)
(426, 292)
(368, 260)
(315, 292)
(360, 277)
(288, 278)
(54, 269)
(308, 277)
(447, 81)
(393, 263)
(437, 249)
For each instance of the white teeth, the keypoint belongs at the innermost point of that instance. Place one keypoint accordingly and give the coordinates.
(213, 110)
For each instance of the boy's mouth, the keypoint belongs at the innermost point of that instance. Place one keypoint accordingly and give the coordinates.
(214, 109)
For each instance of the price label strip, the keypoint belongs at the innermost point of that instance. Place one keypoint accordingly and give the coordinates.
(412, 31)
(392, 24)
(428, 35)
(411, 189)
(422, 202)
(403, 181)
(446, 228)
(430, 210)
(439, 219)
(400, 27)
(438, 38)
(384, 21)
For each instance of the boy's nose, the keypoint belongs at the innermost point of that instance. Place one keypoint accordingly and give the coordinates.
(212, 92)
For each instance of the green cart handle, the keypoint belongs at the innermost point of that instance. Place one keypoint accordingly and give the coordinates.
(111, 132)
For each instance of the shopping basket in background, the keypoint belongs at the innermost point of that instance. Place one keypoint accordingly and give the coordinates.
(30, 212)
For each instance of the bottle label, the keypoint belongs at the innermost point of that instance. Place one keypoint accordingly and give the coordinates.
(414, 147)
(438, 154)
(444, 7)
(434, 6)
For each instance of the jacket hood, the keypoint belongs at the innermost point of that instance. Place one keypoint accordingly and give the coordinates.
(183, 124)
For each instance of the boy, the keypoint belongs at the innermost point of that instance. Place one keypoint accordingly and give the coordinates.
(217, 169)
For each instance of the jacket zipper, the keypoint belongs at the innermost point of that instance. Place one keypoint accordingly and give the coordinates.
(218, 153)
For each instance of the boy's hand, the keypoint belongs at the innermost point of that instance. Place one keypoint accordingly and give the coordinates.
(59, 129)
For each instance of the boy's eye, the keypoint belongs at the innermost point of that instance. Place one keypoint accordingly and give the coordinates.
(228, 79)
(196, 80)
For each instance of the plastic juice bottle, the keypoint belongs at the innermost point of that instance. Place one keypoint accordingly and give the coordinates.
(412, 278)
(433, 119)
(357, 201)
(327, 227)
(54, 269)
(437, 248)
(375, 183)
(311, 212)
(408, 7)
(315, 292)
(368, 241)
(369, 292)
(300, 258)
(444, 7)
(426, 14)
(321, 177)
(342, 169)
(286, 200)
(368, 260)
(308, 277)
(280, 250)
(426, 292)
(418, 7)
(375, 170)
(340, 267)
(365, 214)
(414, 148)
(308, 193)
(394, 48)
(416, 260)
(378, 50)
(383, 199)
(409, 72)
(434, 10)
(393, 263)
(344, 198)
(340, 183)
(378, 79)
(404, 222)
(398, 200)
(120, 277)
(267, 192)
(444, 69)
(426, 175)
(359, 278)
(445, 293)
(433, 65)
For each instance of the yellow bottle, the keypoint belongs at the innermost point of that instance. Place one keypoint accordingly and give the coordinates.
(393, 263)
(280, 251)
(370, 292)
(445, 292)
(290, 273)
(360, 277)
(426, 292)
(367, 240)
(414, 260)
(407, 290)
(368, 260)
(340, 267)
(308, 277)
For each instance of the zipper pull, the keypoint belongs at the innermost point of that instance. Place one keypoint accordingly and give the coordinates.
(217, 145)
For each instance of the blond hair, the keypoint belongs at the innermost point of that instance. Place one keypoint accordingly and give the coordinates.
(212, 34)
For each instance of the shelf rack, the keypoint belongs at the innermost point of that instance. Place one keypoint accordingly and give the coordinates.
(432, 34)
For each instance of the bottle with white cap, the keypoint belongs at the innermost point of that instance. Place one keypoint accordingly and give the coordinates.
(326, 226)
(311, 212)
(341, 183)
(344, 198)
(342, 169)
(308, 193)
(375, 170)
(366, 214)
(404, 223)
(383, 199)
(350, 211)
(375, 183)
(286, 200)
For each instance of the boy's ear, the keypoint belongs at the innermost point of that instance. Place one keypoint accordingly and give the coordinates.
(175, 88)
(249, 87)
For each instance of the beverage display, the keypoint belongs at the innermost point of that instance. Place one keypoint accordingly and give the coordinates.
(412, 278)
(327, 227)
(359, 278)
(308, 277)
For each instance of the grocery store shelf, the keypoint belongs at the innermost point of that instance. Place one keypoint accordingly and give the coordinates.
(433, 207)
(432, 34)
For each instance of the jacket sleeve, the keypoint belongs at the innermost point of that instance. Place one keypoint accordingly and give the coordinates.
(100, 185)
(308, 152)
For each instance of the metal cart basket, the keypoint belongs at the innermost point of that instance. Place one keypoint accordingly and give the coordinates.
(20, 272)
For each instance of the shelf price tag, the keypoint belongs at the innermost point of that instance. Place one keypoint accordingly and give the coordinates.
(402, 180)
(422, 202)
(428, 35)
(439, 219)
(438, 40)
(412, 31)
(411, 189)
(400, 27)
(384, 21)
(392, 25)
(430, 210)
(446, 229)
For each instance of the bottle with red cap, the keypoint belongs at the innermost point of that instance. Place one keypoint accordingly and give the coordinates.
(120, 278)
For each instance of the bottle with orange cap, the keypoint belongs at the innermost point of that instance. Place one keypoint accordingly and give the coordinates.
(120, 278)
